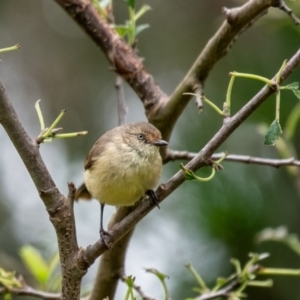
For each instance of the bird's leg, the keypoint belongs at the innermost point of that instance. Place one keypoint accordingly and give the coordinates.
(151, 194)
(103, 232)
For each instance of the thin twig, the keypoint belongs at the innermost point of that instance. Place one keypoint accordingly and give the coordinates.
(138, 289)
(198, 90)
(122, 108)
(173, 155)
(276, 163)
(28, 291)
(222, 293)
(281, 5)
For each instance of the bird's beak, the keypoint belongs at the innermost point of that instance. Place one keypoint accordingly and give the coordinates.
(160, 143)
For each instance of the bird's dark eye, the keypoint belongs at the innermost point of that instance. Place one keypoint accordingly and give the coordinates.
(140, 136)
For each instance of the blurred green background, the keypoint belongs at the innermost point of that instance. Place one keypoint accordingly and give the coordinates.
(202, 223)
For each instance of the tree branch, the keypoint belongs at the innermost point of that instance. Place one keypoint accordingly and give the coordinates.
(160, 110)
(164, 190)
(281, 5)
(238, 20)
(120, 55)
(222, 293)
(112, 263)
(122, 108)
(59, 208)
(28, 150)
(28, 291)
(173, 155)
(64, 223)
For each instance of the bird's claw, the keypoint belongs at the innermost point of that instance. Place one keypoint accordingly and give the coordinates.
(151, 194)
(104, 233)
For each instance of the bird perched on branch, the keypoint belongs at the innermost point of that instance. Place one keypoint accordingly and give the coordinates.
(122, 167)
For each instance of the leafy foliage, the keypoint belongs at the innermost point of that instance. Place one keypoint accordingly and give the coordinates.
(273, 133)
(44, 271)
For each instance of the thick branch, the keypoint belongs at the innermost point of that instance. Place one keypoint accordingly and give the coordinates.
(120, 55)
(161, 111)
(59, 208)
(64, 223)
(28, 150)
(164, 190)
(238, 20)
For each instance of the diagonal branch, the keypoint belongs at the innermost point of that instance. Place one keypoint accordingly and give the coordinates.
(28, 150)
(237, 21)
(281, 5)
(121, 56)
(164, 190)
(59, 208)
(160, 110)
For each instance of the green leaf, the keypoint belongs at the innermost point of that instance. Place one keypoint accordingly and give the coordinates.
(221, 281)
(8, 296)
(141, 11)
(261, 283)
(262, 256)
(273, 133)
(53, 263)
(140, 28)
(297, 93)
(189, 175)
(129, 280)
(294, 87)
(122, 30)
(35, 263)
(160, 275)
(291, 86)
(130, 3)
(237, 265)
(202, 285)
(9, 280)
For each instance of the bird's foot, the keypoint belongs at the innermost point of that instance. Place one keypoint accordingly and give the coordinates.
(151, 194)
(103, 234)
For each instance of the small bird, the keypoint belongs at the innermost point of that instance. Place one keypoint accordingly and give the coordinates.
(122, 167)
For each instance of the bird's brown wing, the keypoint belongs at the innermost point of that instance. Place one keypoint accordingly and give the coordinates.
(97, 150)
(82, 193)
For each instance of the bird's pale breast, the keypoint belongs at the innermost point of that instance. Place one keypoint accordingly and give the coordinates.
(121, 176)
